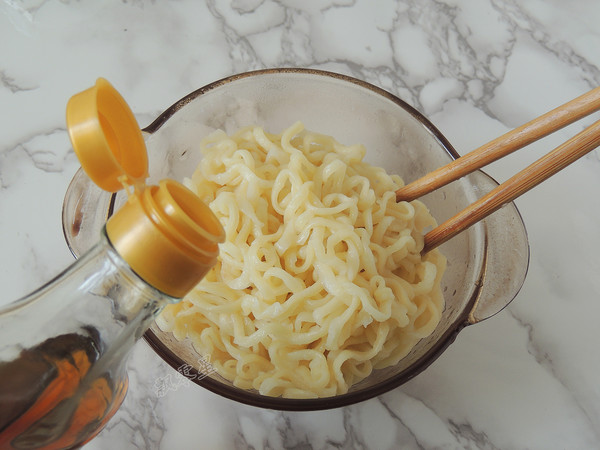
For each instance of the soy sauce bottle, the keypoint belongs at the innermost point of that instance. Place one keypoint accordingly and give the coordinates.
(63, 348)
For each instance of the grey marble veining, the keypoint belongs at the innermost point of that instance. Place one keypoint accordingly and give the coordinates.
(525, 378)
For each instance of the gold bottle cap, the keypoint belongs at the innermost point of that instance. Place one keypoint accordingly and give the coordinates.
(166, 234)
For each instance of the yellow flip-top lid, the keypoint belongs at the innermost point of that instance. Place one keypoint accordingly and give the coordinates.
(106, 137)
(167, 235)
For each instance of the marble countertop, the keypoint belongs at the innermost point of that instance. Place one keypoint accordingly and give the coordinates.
(526, 378)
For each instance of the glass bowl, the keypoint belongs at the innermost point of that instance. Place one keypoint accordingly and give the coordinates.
(487, 264)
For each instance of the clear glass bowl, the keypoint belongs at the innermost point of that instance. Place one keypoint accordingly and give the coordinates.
(487, 264)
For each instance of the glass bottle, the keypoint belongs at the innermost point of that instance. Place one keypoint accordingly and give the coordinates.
(63, 348)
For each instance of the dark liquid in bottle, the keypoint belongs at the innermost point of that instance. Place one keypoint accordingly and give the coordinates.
(50, 398)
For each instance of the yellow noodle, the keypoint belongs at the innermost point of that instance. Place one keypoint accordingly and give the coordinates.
(320, 279)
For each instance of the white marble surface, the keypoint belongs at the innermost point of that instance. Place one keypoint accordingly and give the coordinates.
(526, 378)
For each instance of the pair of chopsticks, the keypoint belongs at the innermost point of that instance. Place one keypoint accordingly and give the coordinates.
(528, 178)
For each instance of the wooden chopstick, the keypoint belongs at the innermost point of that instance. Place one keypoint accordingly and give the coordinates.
(507, 143)
(559, 158)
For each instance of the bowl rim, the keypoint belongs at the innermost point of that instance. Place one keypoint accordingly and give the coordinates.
(288, 404)
(179, 104)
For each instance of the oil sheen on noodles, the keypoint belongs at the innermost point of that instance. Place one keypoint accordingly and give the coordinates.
(320, 280)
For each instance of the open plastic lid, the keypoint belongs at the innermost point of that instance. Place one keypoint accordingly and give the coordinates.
(107, 138)
(165, 233)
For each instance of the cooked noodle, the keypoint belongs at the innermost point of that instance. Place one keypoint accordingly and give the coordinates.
(320, 279)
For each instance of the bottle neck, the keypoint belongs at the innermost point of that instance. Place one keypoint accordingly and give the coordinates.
(133, 302)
